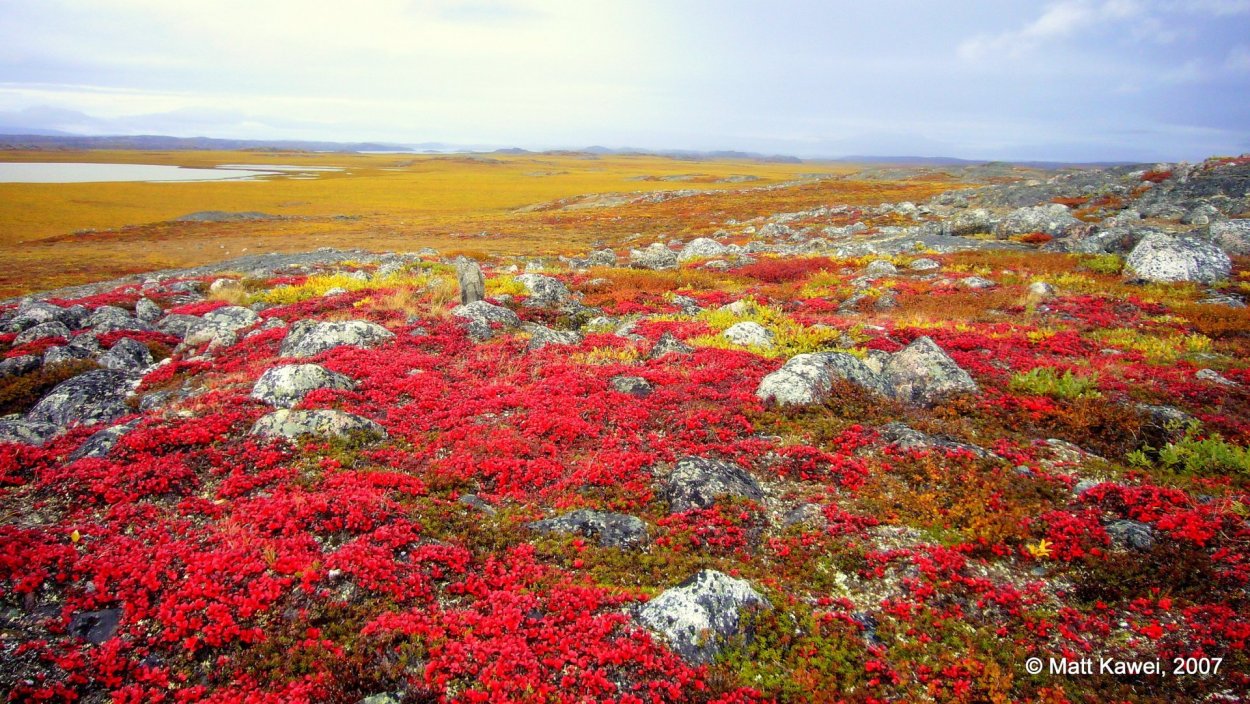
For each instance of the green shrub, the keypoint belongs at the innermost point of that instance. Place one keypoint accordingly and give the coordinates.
(1210, 456)
(1103, 263)
(1043, 381)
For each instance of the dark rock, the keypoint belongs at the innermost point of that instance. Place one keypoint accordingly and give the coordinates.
(16, 366)
(95, 626)
(25, 432)
(1131, 535)
(42, 331)
(697, 482)
(668, 344)
(127, 355)
(633, 385)
(102, 443)
(94, 397)
(612, 529)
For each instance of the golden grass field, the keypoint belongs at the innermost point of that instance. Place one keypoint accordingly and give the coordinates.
(55, 235)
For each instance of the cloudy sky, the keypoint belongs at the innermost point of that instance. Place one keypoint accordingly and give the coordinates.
(1064, 79)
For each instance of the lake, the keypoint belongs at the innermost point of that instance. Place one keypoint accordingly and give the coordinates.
(69, 172)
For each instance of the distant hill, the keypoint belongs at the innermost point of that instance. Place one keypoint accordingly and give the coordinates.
(141, 142)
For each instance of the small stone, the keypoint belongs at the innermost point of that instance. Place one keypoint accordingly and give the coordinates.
(635, 386)
(749, 334)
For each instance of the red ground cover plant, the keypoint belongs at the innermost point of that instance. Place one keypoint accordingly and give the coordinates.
(245, 569)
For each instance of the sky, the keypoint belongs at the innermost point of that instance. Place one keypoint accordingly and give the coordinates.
(1066, 80)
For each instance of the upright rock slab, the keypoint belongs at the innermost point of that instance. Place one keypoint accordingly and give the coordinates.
(697, 616)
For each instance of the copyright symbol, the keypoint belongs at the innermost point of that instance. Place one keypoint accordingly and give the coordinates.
(1033, 666)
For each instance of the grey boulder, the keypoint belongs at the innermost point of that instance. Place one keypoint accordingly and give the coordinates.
(42, 331)
(1162, 258)
(127, 355)
(697, 616)
(808, 378)
(701, 248)
(94, 397)
(922, 374)
(749, 334)
(544, 291)
(308, 338)
(322, 423)
(287, 385)
(657, 256)
(1233, 236)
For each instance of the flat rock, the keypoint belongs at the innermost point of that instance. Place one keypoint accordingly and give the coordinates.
(611, 529)
(325, 423)
(308, 338)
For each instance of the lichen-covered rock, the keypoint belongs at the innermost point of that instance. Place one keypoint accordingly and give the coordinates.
(749, 333)
(31, 312)
(94, 397)
(701, 248)
(880, 267)
(971, 221)
(43, 331)
(1053, 219)
(309, 338)
(808, 378)
(542, 336)
(544, 291)
(127, 355)
(697, 482)
(602, 257)
(1131, 535)
(1233, 236)
(221, 324)
(25, 432)
(907, 438)
(667, 344)
(657, 256)
(147, 311)
(611, 529)
(922, 374)
(1041, 290)
(323, 423)
(976, 283)
(81, 347)
(1163, 258)
(102, 443)
(698, 615)
(287, 385)
(924, 264)
(15, 366)
(635, 386)
(178, 324)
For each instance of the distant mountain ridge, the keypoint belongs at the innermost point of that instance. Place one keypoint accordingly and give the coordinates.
(32, 138)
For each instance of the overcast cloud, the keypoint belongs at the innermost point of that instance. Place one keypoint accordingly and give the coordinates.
(1066, 80)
